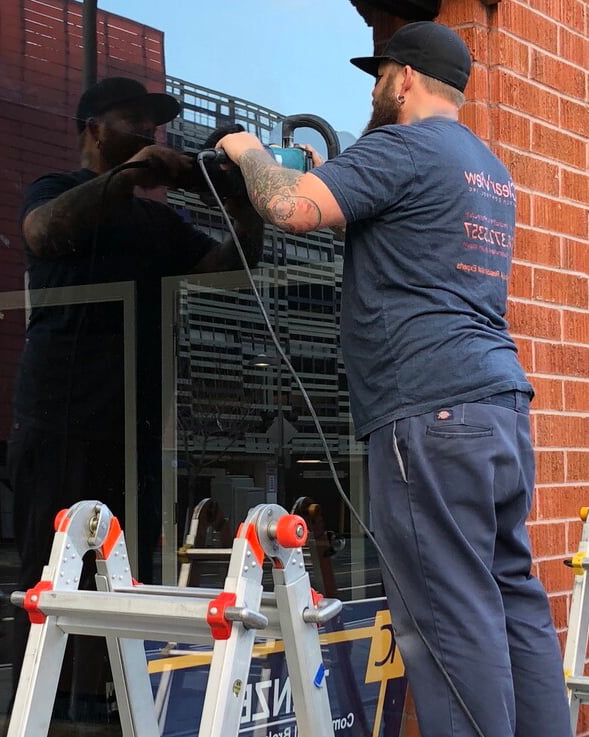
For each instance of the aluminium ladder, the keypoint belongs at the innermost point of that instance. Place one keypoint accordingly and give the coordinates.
(125, 614)
(575, 654)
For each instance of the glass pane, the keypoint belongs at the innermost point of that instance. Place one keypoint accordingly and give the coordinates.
(130, 378)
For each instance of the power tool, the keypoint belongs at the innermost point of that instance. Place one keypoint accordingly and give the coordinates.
(226, 176)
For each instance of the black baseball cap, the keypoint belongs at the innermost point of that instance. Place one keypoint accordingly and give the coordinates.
(430, 48)
(114, 92)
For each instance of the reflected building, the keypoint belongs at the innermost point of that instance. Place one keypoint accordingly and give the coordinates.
(238, 406)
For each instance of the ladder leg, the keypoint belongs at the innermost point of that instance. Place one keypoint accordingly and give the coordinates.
(231, 661)
(131, 681)
(35, 695)
(303, 658)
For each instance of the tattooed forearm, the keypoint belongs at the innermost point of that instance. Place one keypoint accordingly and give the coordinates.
(66, 223)
(271, 190)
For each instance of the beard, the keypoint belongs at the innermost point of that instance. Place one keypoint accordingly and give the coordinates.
(385, 111)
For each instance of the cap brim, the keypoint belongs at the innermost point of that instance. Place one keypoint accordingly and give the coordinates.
(369, 64)
(162, 107)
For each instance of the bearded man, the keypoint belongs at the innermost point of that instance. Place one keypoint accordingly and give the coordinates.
(436, 388)
(67, 441)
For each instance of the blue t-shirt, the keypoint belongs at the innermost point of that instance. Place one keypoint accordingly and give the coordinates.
(430, 215)
(71, 373)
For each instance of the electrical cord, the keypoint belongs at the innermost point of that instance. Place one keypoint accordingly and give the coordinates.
(210, 154)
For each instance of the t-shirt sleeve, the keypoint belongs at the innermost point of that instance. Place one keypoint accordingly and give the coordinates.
(372, 175)
(45, 189)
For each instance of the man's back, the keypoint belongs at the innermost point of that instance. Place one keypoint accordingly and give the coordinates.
(431, 219)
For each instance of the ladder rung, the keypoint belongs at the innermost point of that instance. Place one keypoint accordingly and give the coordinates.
(209, 553)
(579, 685)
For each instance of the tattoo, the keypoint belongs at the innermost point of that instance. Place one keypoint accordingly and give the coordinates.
(67, 223)
(271, 190)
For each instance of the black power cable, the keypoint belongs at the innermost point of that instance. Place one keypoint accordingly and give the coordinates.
(219, 154)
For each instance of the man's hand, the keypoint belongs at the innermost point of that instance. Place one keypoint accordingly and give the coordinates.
(166, 167)
(235, 144)
(316, 157)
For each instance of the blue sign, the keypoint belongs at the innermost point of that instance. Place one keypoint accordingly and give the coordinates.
(364, 673)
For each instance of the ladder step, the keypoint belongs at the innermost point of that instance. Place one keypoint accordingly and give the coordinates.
(579, 685)
(209, 553)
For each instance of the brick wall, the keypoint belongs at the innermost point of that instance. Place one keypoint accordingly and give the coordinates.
(527, 99)
(40, 83)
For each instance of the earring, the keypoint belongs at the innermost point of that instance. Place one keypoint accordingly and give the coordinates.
(98, 143)
(400, 99)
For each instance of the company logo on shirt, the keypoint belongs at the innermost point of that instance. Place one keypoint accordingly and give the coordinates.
(485, 184)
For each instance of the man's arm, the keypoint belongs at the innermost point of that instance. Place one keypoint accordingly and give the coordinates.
(289, 199)
(66, 224)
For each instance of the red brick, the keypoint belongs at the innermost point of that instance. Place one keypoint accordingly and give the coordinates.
(524, 96)
(564, 360)
(575, 326)
(520, 281)
(530, 171)
(538, 247)
(574, 532)
(573, 116)
(528, 25)
(575, 255)
(559, 607)
(456, 14)
(558, 145)
(549, 393)
(547, 539)
(555, 576)
(524, 207)
(475, 115)
(550, 464)
(511, 129)
(577, 465)
(553, 72)
(574, 186)
(477, 88)
(477, 39)
(560, 288)
(525, 350)
(558, 216)
(533, 319)
(573, 47)
(561, 502)
(561, 430)
(576, 398)
(569, 12)
(509, 52)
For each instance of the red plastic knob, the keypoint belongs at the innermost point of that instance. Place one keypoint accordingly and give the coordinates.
(59, 517)
(291, 531)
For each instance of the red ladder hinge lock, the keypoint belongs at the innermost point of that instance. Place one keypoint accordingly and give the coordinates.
(32, 601)
(316, 597)
(220, 627)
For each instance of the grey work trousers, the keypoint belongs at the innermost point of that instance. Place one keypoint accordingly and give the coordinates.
(450, 493)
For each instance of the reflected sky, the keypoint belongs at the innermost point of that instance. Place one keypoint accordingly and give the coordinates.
(292, 57)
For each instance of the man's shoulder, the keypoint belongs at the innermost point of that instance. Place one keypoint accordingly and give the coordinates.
(63, 178)
(48, 186)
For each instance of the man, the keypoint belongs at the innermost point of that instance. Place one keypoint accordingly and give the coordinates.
(88, 227)
(435, 386)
